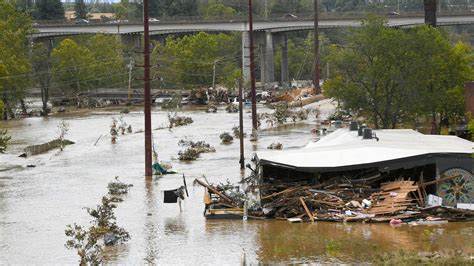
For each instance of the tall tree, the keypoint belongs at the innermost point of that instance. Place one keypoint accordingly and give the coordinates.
(48, 10)
(189, 61)
(14, 64)
(394, 75)
(42, 73)
(107, 53)
(80, 9)
(73, 67)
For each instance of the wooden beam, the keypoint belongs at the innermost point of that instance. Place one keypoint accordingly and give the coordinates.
(311, 217)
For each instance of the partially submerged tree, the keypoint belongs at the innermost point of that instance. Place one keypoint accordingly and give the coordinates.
(73, 67)
(42, 73)
(4, 138)
(14, 64)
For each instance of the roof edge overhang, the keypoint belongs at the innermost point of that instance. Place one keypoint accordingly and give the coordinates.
(384, 166)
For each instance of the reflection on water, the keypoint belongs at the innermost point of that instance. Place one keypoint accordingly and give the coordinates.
(37, 203)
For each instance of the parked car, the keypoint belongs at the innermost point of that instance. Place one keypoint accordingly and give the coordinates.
(153, 20)
(81, 21)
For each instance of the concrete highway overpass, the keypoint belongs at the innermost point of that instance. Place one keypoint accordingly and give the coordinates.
(268, 34)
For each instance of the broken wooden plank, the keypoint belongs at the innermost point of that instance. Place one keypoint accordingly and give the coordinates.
(213, 190)
(307, 210)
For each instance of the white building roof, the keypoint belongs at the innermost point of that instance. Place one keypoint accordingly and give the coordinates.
(344, 148)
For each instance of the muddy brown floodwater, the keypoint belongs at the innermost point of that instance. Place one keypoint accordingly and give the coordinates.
(37, 203)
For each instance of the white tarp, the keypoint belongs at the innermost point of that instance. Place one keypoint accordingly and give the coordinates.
(344, 148)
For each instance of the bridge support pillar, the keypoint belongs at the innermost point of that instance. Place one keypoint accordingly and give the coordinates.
(131, 41)
(430, 12)
(284, 61)
(246, 59)
(267, 65)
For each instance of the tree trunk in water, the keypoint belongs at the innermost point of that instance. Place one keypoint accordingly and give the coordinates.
(45, 99)
(23, 107)
(434, 125)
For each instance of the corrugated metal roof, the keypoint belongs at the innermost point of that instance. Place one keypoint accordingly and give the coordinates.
(343, 148)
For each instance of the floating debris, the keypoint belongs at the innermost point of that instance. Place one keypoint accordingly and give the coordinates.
(211, 109)
(173, 103)
(45, 147)
(275, 146)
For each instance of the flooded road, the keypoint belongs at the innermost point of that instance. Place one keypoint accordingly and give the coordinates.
(37, 203)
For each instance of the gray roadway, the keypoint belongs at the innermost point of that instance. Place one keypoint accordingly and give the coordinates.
(272, 26)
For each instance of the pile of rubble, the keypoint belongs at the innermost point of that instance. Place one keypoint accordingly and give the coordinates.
(395, 202)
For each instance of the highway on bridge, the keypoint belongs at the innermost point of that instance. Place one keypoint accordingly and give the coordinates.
(232, 26)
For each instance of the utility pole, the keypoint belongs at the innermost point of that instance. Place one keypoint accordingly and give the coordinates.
(252, 76)
(130, 66)
(241, 127)
(214, 75)
(146, 53)
(317, 88)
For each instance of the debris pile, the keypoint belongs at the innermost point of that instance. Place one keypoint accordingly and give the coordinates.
(177, 121)
(211, 108)
(395, 202)
(198, 96)
(173, 103)
(275, 146)
(226, 138)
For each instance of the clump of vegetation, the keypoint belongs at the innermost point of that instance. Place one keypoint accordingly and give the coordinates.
(282, 113)
(63, 129)
(226, 138)
(4, 138)
(194, 149)
(189, 154)
(211, 109)
(104, 226)
(275, 146)
(177, 121)
(232, 108)
(236, 131)
(118, 187)
(173, 103)
(200, 146)
(411, 258)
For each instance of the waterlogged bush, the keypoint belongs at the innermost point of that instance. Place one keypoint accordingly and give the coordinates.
(226, 138)
(118, 188)
(104, 230)
(177, 121)
(4, 138)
